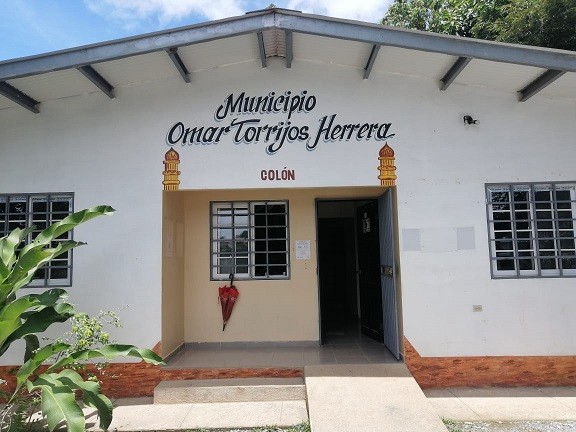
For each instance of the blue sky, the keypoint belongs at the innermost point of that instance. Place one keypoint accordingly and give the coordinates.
(29, 27)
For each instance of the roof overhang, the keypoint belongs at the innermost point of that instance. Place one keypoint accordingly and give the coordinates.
(277, 32)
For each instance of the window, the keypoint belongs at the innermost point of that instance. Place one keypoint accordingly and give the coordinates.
(531, 229)
(250, 240)
(40, 210)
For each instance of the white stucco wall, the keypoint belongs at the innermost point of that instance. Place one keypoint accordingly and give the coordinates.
(112, 151)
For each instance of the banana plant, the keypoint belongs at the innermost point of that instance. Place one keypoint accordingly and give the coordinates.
(24, 317)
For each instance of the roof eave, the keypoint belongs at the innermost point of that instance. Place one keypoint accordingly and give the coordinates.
(293, 21)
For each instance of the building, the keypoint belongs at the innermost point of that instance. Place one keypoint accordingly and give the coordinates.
(420, 183)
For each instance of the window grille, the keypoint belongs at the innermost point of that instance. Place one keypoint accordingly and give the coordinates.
(40, 210)
(250, 240)
(531, 229)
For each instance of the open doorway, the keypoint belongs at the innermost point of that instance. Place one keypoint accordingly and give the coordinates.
(356, 272)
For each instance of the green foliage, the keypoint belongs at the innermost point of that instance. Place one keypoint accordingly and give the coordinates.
(547, 23)
(24, 317)
(455, 17)
(88, 332)
(451, 425)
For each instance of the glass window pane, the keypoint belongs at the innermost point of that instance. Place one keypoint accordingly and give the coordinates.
(548, 264)
(225, 234)
(501, 216)
(500, 197)
(225, 265)
(260, 233)
(277, 245)
(545, 234)
(277, 233)
(40, 274)
(260, 271)
(542, 195)
(277, 220)
(58, 273)
(502, 226)
(563, 195)
(277, 270)
(241, 249)
(506, 264)
(260, 246)
(546, 244)
(524, 244)
(544, 225)
(276, 208)
(504, 245)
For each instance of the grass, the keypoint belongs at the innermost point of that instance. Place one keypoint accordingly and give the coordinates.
(302, 427)
(451, 425)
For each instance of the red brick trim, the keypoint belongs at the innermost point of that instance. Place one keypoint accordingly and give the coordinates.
(507, 371)
(139, 379)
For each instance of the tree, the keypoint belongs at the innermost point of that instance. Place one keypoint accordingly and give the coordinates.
(23, 318)
(546, 23)
(469, 18)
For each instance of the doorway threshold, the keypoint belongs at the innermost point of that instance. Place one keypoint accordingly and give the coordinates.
(340, 349)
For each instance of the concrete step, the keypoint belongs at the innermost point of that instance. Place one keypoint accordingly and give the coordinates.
(230, 390)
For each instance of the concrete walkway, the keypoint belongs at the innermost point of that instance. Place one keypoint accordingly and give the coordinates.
(504, 404)
(501, 404)
(141, 416)
(377, 397)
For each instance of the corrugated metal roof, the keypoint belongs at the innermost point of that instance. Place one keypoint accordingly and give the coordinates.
(370, 48)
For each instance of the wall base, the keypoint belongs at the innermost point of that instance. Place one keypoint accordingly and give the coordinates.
(503, 371)
(139, 379)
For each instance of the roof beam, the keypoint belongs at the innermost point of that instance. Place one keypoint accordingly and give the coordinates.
(373, 34)
(127, 47)
(173, 53)
(261, 48)
(19, 97)
(539, 83)
(98, 80)
(453, 72)
(457, 46)
(289, 49)
(371, 60)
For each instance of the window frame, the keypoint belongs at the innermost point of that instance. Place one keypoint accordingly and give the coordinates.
(251, 239)
(31, 218)
(533, 253)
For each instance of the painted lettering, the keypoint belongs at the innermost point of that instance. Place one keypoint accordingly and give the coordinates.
(269, 104)
(254, 129)
(278, 175)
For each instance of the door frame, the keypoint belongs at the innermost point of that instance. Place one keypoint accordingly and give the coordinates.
(397, 276)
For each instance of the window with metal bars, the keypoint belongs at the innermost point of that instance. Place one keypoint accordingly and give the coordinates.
(531, 229)
(250, 240)
(40, 211)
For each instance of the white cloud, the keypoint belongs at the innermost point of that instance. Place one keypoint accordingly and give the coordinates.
(164, 11)
(363, 10)
(167, 11)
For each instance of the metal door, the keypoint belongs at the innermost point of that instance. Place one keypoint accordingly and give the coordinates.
(388, 273)
(369, 283)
